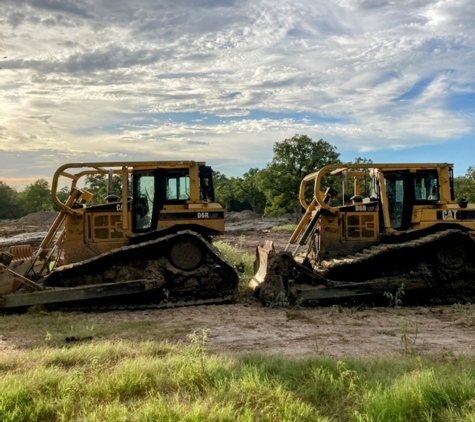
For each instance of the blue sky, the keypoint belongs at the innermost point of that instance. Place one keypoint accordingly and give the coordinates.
(223, 80)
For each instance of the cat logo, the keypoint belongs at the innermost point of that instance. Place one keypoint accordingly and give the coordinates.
(449, 215)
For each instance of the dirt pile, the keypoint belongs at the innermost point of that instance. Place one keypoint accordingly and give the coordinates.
(40, 218)
(249, 221)
(234, 216)
(30, 229)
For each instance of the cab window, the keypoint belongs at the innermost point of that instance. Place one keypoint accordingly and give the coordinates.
(178, 187)
(426, 187)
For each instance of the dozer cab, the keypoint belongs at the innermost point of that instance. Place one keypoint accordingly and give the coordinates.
(374, 230)
(150, 245)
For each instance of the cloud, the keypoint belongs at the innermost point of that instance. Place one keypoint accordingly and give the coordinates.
(59, 6)
(226, 79)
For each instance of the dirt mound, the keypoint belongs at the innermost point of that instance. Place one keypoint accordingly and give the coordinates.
(40, 218)
(241, 215)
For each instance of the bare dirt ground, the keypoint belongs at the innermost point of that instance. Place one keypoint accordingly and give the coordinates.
(246, 229)
(245, 326)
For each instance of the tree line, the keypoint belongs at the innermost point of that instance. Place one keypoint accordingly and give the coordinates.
(272, 190)
(37, 196)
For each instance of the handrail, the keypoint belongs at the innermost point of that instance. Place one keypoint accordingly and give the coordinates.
(339, 168)
(103, 168)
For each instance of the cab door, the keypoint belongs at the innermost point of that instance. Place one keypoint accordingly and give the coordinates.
(145, 195)
(406, 189)
(153, 189)
(399, 195)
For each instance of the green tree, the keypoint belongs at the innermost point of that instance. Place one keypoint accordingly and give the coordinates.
(10, 206)
(362, 160)
(224, 189)
(293, 159)
(239, 193)
(465, 186)
(37, 197)
(363, 180)
(98, 185)
(247, 191)
(63, 195)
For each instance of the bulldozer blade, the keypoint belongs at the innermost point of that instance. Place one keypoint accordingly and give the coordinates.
(263, 250)
(9, 280)
(344, 291)
(277, 272)
(11, 267)
(82, 293)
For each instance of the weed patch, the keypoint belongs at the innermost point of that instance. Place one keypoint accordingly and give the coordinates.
(408, 331)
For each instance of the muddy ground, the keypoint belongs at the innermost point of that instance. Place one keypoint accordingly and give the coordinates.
(246, 326)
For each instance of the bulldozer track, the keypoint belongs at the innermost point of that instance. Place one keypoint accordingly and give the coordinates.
(376, 250)
(444, 253)
(177, 270)
(438, 266)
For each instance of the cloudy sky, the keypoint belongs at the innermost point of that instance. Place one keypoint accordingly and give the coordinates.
(223, 80)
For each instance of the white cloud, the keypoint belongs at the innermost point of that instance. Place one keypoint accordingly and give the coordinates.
(100, 77)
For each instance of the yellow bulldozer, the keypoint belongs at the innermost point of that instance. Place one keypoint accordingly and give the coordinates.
(393, 229)
(149, 246)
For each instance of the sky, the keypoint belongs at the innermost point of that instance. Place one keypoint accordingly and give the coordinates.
(222, 81)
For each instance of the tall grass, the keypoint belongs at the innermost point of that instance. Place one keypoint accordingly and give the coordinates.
(147, 381)
(236, 255)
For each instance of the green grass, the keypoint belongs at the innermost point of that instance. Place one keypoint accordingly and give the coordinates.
(147, 381)
(133, 380)
(236, 255)
(285, 227)
(56, 329)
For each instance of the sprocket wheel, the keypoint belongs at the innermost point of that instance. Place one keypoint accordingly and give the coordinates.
(187, 254)
(452, 252)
